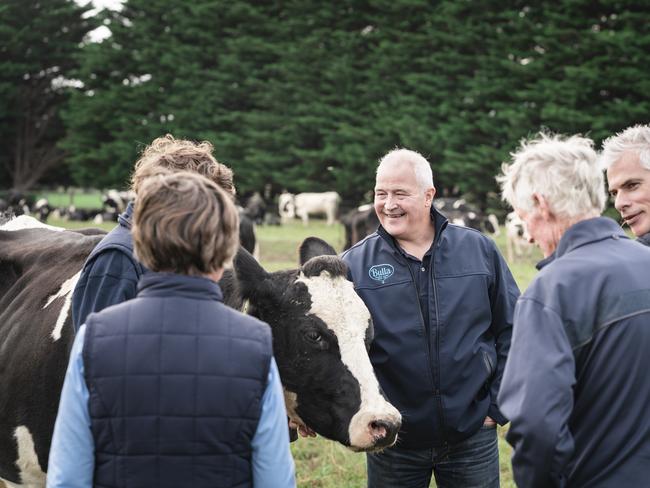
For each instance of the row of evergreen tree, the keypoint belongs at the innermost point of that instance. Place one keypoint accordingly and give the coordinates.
(307, 95)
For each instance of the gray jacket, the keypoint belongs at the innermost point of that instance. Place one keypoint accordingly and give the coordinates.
(575, 386)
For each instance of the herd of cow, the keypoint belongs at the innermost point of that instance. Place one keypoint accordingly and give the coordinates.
(329, 384)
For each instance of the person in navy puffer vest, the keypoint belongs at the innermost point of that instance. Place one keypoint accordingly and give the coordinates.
(173, 388)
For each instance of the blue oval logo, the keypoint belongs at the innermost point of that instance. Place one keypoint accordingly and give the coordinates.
(381, 272)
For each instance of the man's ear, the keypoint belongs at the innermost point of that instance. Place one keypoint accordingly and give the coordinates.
(428, 196)
(541, 203)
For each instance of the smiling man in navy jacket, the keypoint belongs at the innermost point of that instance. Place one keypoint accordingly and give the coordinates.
(442, 301)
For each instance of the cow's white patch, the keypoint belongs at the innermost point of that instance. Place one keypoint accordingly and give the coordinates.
(459, 221)
(31, 474)
(336, 303)
(305, 204)
(26, 222)
(65, 291)
(517, 238)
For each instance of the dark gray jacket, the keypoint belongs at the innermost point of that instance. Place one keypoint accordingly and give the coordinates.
(576, 386)
(442, 376)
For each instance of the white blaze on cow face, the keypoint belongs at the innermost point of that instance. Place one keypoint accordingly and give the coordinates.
(65, 291)
(336, 303)
(31, 474)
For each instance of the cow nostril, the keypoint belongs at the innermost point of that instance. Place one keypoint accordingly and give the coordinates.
(378, 428)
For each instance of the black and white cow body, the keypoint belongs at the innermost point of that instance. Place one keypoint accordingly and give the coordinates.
(459, 212)
(320, 330)
(38, 269)
(359, 223)
(518, 241)
(247, 237)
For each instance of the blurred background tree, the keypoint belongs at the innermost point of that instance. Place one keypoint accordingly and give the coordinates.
(40, 43)
(306, 95)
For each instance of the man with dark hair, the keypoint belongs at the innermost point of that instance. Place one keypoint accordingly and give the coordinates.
(152, 395)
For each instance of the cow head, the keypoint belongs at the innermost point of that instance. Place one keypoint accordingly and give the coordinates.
(321, 332)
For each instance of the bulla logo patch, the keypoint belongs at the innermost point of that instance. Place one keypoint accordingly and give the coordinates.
(381, 272)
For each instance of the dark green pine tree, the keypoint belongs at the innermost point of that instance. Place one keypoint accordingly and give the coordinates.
(196, 70)
(39, 47)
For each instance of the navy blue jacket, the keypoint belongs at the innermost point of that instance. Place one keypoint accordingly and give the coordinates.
(176, 381)
(645, 239)
(576, 383)
(442, 376)
(110, 274)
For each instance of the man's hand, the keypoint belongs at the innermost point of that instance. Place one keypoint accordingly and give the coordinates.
(303, 430)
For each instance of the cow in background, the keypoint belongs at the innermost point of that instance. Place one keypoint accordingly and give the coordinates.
(359, 223)
(321, 331)
(303, 205)
(256, 208)
(247, 237)
(459, 212)
(518, 241)
(42, 209)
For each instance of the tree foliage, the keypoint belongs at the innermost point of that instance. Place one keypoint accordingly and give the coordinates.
(39, 44)
(307, 95)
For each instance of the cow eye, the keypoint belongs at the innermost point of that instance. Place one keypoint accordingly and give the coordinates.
(313, 336)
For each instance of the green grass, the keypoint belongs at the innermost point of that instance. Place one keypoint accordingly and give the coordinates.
(80, 199)
(321, 463)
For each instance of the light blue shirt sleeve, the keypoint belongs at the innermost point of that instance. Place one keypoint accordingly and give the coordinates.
(72, 453)
(272, 462)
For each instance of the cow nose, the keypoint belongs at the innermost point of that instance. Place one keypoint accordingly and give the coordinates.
(383, 432)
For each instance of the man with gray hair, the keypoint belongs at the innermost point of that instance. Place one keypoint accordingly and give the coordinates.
(442, 300)
(575, 385)
(626, 156)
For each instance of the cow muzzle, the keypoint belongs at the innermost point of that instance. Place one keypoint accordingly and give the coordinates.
(374, 431)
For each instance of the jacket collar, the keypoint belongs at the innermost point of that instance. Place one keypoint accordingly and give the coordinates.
(645, 239)
(440, 222)
(584, 232)
(126, 217)
(171, 284)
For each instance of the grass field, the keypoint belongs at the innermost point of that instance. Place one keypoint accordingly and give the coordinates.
(319, 462)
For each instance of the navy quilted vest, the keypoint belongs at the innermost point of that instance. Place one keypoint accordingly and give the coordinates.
(176, 380)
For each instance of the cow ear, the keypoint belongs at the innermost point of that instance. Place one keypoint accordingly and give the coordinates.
(249, 272)
(312, 247)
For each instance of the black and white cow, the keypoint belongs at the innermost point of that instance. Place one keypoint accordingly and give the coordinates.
(459, 212)
(358, 223)
(518, 241)
(321, 331)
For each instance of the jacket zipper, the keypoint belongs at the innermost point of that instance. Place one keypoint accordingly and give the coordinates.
(443, 421)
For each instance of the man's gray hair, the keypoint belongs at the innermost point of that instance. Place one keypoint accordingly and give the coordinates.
(564, 170)
(420, 165)
(636, 138)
